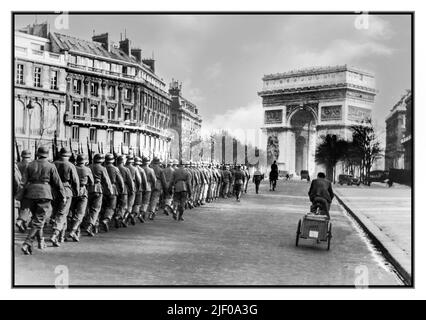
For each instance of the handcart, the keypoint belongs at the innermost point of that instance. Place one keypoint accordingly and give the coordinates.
(316, 227)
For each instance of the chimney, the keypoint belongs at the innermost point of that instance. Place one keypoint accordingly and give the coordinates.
(137, 53)
(103, 39)
(150, 63)
(125, 46)
(37, 29)
(175, 88)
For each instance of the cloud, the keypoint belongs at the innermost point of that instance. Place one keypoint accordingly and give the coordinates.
(242, 122)
(378, 28)
(213, 71)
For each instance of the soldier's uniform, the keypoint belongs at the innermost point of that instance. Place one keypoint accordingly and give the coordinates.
(160, 185)
(131, 196)
(101, 182)
(71, 182)
(182, 189)
(168, 194)
(118, 187)
(150, 185)
(247, 175)
(79, 202)
(39, 178)
(239, 180)
(139, 186)
(227, 177)
(24, 214)
(122, 200)
(195, 184)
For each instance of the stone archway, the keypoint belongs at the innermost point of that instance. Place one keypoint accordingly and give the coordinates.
(303, 124)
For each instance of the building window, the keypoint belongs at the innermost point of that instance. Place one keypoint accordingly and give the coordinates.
(126, 115)
(111, 113)
(124, 70)
(75, 133)
(20, 74)
(94, 89)
(110, 137)
(126, 138)
(94, 111)
(37, 77)
(111, 92)
(76, 83)
(93, 135)
(128, 94)
(76, 108)
(53, 79)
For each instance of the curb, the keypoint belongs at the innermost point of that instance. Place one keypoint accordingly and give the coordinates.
(368, 228)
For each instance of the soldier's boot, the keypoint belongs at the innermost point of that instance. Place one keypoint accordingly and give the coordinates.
(117, 222)
(27, 249)
(89, 230)
(62, 237)
(151, 216)
(96, 228)
(20, 224)
(55, 238)
(105, 224)
(40, 241)
(180, 218)
(141, 216)
(132, 219)
(123, 222)
(74, 236)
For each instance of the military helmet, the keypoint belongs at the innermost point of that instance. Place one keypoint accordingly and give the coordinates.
(81, 158)
(64, 153)
(138, 160)
(155, 160)
(25, 154)
(130, 159)
(109, 157)
(121, 158)
(43, 152)
(99, 158)
(145, 160)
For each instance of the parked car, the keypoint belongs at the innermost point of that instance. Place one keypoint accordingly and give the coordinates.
(348, 179)
(377, 176)
(304, 174)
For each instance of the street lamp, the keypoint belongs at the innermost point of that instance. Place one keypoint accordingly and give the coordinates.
(30, 111)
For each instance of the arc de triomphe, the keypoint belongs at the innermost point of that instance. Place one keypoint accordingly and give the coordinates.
(301, 106)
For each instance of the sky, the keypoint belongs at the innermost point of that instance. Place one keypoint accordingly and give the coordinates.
(221, 59)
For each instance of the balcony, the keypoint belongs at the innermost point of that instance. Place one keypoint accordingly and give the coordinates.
(40, 55)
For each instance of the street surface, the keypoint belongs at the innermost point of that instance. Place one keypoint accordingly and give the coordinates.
(389, 209)
(224, 243)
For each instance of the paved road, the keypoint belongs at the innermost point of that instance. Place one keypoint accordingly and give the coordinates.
(225, 243)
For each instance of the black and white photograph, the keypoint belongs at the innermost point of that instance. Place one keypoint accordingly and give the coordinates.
(212, 149)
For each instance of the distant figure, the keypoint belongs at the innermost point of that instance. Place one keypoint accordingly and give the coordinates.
(273, 176)
(239, 179)
(321, 194)
(257, 178)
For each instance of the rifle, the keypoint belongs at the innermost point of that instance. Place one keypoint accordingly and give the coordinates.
(102, 147)
(89, 151)
(35, 150)
(99, 148)
(55, 147)
(72, 158)
(122, 149)
(18, 157)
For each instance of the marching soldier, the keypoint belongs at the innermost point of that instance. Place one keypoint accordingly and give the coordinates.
(129, 187)
(118, 187)
(101, 182)
(71, 182)
(139, 200)
(79, 203)
(160, 185)
(131, 196)
(150, 186)
(239, 179)
(182, 190)
(23, 214)
(168, 194)
(39, 178)
(227, 177)
(247, 175)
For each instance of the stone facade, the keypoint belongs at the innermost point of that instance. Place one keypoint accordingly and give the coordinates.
(313, 102)
(185, 126)
(395, 132)
(106, 94)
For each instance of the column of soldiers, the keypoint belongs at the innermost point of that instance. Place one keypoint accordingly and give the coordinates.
(75, 196)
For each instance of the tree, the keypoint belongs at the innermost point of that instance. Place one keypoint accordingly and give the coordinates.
(366, 147)
(329, 152)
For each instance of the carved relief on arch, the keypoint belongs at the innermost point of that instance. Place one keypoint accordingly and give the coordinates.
(273, 147)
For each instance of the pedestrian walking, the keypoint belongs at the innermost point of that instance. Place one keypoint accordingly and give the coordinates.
(129, 188)
(24, 214)
(257, 179)
(239, 179)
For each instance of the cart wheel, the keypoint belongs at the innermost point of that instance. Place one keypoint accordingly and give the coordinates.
(298, 233)
(329, 236)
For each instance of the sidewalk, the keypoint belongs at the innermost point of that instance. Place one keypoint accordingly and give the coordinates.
(385, 214)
